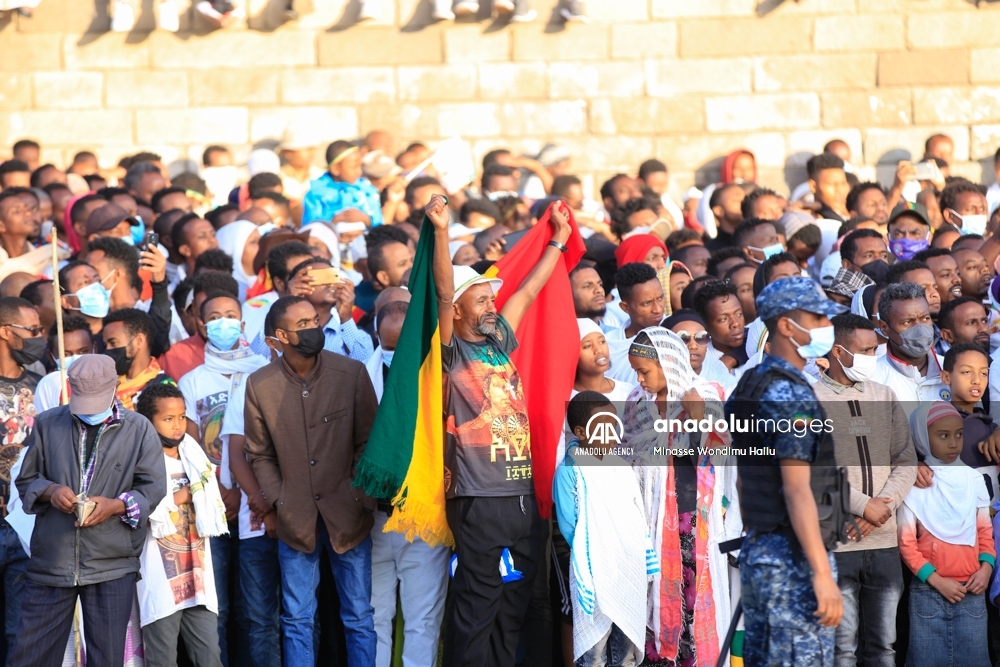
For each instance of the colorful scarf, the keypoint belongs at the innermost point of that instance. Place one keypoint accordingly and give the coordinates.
(129, 390)
(665, 605)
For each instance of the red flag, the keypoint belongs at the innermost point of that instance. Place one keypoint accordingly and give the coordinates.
(547, 352)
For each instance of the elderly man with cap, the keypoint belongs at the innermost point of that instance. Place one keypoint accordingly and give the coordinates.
(92, 473)
(790, 594)
(488, 484)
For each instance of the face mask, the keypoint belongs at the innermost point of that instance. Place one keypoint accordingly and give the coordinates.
(905, 249)
(769, 252)
(95, 300)
(916, 341)
(138, 232)
(94, 420)
(120, 356)
(223, 333)
(170, 443)
(972, 224)
(311, 342)
(69, 361)
(820, 341)
(876, 270)
(127, 240)
(387, 357)
(863, 368)
(32, 351)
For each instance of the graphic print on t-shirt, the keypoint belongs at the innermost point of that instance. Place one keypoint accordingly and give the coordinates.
(489, 445)
(211, 410)
(183, 553)
(17, 409)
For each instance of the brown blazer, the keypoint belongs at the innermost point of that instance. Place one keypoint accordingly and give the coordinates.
(304, 437)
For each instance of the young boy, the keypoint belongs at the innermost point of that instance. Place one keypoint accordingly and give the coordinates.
(966, 371)
(599, 510)
(177, 589)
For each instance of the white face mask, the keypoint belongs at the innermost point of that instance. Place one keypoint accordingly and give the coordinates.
(387, 357)
(973, 224)
(863, 368)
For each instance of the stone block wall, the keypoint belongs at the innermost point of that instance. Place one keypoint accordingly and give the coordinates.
(682, 80)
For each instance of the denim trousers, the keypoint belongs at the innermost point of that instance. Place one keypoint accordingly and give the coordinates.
(871, 583)
(260, 582)
(420, 573)
(613, 650)
(352, 573)
(232, 623)
(943, 634)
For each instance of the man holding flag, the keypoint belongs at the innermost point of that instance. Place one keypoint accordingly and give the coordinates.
(488, 482)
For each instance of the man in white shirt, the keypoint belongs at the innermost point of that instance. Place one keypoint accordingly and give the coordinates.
(910, 366)
(643, 302)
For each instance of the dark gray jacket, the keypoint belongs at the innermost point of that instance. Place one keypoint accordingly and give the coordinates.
(129, 459)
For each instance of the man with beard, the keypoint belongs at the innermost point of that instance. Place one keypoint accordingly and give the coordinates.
(945, 270)
(491, 504)
(964, 320)
(588, 293)
(974, 272)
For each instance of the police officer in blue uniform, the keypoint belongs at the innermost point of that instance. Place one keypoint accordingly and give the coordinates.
(789, 487)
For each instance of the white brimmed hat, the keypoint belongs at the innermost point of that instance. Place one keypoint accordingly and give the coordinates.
(466, 277)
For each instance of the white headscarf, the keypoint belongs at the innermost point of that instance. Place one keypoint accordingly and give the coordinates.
(587, 326)
(947, 508)
(232, 240)
(322, 231)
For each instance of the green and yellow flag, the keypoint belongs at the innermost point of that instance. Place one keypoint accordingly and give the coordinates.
(404, 458)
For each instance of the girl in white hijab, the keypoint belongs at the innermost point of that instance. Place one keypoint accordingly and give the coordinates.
(946, 539)
(241, 240)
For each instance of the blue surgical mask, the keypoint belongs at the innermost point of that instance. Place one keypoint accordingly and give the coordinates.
(69, 361)
(820, 341)
(138, 232)
(769, 251)
(224, 332)
(387, 357)
(95, 300)
(973, 224)
(127, 239)
(94, 420)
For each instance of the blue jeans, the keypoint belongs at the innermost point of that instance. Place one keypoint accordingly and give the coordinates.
(352, 572)
(13, 565)
(943, 634)
(225, 562)
(261, 585)
(871, 583)
(612, 650)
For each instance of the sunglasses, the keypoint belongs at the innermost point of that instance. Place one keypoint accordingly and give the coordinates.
(701, 338)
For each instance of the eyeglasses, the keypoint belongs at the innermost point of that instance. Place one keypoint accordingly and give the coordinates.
(34, 331)
(701, 338)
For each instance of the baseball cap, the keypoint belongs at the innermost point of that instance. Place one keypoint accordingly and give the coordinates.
(107, 217)
(466, 277)
(376, 164)
(918, 211)
(795, 293)
(296, 140)
(92, 382)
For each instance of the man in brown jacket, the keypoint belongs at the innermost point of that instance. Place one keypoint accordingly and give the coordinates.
(308, 415)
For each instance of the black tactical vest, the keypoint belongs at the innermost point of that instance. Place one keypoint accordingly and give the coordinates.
(762, 503)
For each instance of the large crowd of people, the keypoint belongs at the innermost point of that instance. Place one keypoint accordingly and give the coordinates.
(191, 365)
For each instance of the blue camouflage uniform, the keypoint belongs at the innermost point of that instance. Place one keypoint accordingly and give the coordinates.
(778, 597)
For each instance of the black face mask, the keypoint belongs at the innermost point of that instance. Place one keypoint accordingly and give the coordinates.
(876, 270)
(31, 351)
(170, 443)
(311, 342)
(120, 356)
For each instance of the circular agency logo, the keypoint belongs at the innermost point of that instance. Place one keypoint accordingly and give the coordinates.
(608, 430)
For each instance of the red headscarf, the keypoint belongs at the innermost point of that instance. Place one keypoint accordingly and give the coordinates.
(71, 238)
(727, 165)
(635, 248)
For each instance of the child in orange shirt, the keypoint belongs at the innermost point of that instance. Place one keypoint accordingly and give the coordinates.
(946, 539)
